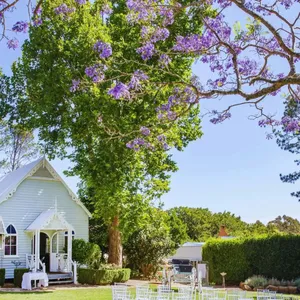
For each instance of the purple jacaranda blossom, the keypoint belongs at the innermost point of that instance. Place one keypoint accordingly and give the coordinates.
(120, 90)
(165, 146)
(290, 124)
(145, 31)
(96, 72)
(81, 2)
(221, 118)
(145, 131)
(161, 138)
(160, 34)
(104, 49)
(75, 85)
(63, 9)
(106, 9)
(38, 10)
(247, 67)
(13, 44)
(20, 26)
(168, 15)
(37, 21)
(171, 115)
(164, 60)
(137, 78)
(146, 51)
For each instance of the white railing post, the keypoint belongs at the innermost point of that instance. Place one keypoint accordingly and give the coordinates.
(75, 272)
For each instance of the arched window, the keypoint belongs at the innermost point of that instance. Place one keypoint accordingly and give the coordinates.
(10, 243)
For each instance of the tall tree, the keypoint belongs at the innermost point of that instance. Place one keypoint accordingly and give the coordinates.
(288, 137)
(286, 224)
(17, 146)
(124, 182)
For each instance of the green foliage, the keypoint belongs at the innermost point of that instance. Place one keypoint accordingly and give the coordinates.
(86, 253)
(286, 224)
(297, 282)
(99, 277)
(274, 281)
(2, 277)
(257, 281)
(17, 145)
(148, 246)
(269, 256)
(201, 224)
(18, 274)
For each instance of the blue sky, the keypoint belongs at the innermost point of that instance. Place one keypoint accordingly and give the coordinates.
(231, 168)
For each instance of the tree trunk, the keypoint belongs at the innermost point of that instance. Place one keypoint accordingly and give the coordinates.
(115, 244)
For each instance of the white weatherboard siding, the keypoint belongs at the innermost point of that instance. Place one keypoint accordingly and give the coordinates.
(32, 197)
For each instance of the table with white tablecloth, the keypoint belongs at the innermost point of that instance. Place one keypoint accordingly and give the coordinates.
(28, 277)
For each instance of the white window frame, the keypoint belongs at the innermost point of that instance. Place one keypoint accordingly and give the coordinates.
(17, 241)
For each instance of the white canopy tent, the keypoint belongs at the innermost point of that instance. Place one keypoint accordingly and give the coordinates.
(190, 251)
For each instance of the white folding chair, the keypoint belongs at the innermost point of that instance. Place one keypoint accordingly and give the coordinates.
(236, 294)
(120, 292)
(262, 294)
(163, 289)
(142, 292)
(220, 294)
(207, 293)
(160, 296)
(183, 296)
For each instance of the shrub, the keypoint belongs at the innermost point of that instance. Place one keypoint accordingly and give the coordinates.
(297, 282)
(147, 247)
(85, 253)
(18, 274)
(100, 277)
(241, 258)
(257, 281)
(2, 277)
(274, 281)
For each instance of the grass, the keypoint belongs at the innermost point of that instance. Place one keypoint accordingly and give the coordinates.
(76, 294)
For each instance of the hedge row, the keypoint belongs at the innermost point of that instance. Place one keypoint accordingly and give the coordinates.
(18, 274)
(99, 277)
(273, 257)
(2, 277)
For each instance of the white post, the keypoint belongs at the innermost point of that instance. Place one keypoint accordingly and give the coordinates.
(36, 261)
(69, 250)
(75, 273)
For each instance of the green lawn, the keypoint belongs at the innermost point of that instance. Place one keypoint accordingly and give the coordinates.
(76, 294)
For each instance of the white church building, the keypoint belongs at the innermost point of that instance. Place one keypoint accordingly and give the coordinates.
(39, 217)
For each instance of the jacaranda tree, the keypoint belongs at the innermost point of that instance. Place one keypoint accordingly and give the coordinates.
(79, 123)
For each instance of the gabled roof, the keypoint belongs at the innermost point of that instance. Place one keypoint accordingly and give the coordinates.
(10, 183)
(2, 227)
(49, 219)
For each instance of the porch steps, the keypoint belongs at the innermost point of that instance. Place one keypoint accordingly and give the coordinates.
(60, 278)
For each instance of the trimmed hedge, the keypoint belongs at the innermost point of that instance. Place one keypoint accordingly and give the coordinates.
(99, 277)
(271, 256)
(2, 277)
(18, 274)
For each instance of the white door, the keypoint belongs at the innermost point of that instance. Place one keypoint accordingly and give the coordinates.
(54, 254)
(58, 261)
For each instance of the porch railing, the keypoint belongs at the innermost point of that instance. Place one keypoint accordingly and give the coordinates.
(30, 263)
